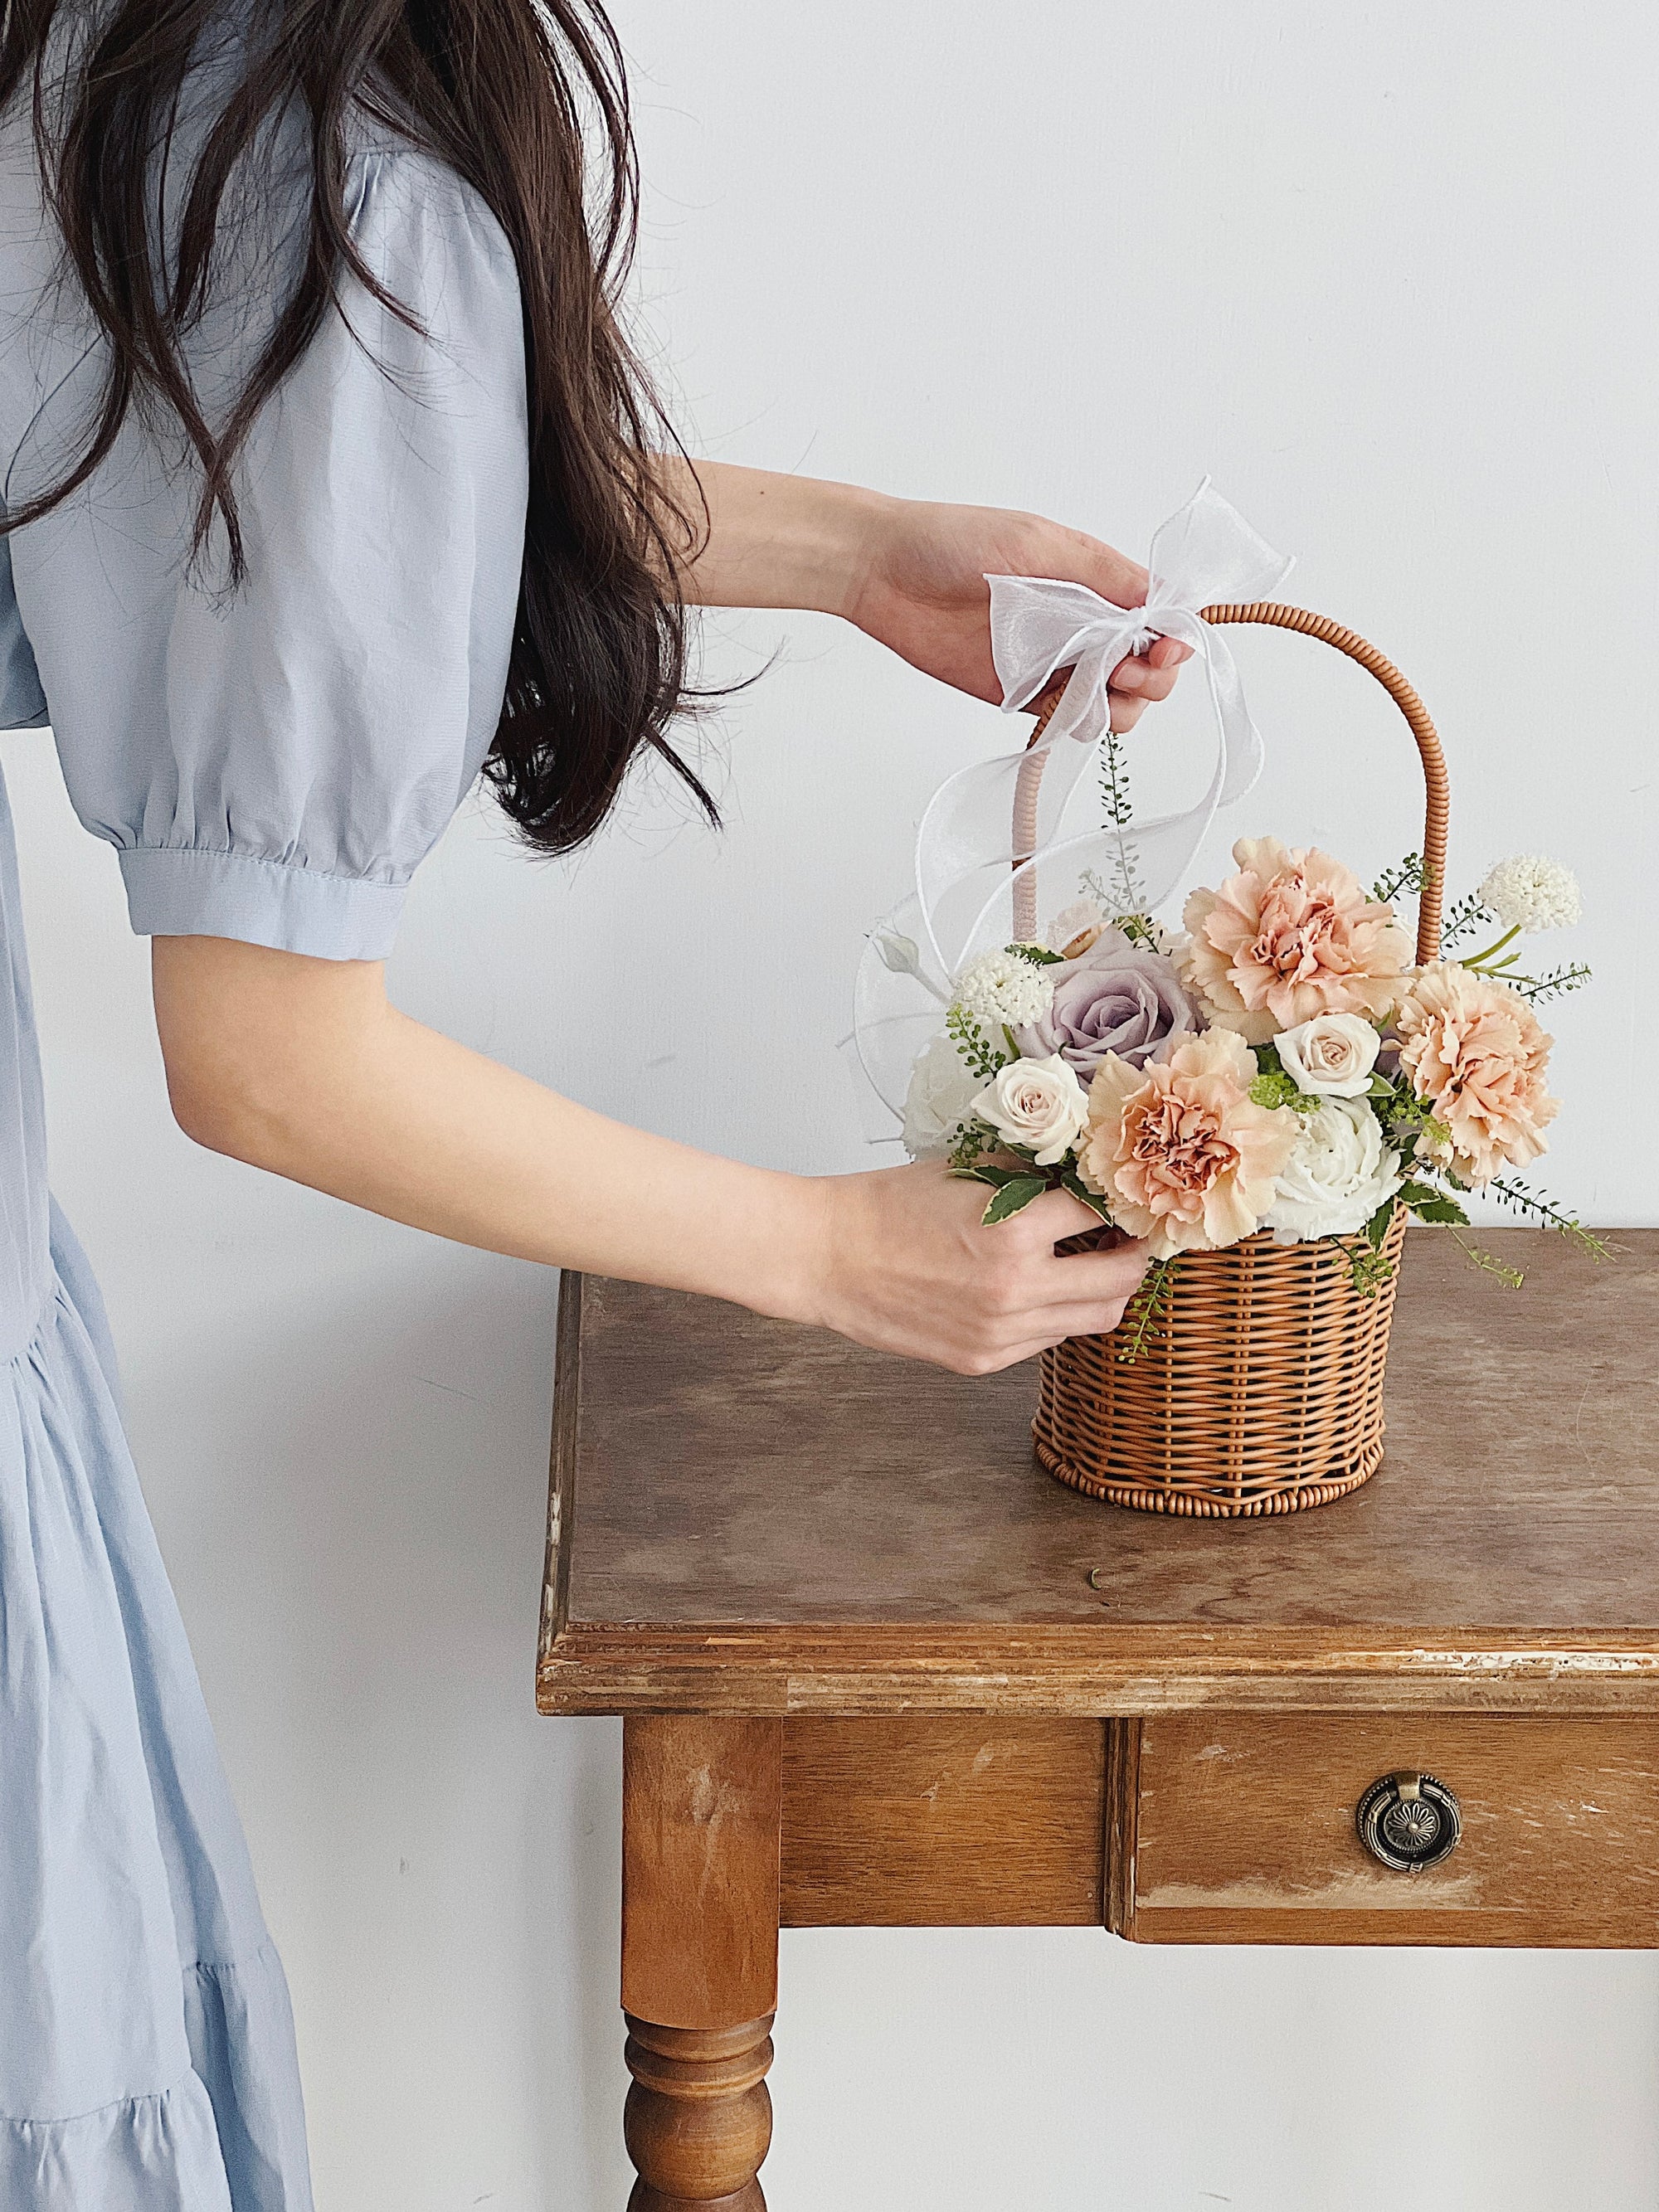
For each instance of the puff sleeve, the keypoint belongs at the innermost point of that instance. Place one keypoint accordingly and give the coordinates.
(272, 763)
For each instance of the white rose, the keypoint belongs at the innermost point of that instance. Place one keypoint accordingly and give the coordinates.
(1083, 919)
(1038, 1104)
(939, 1100)
(1332, 1056)
(1339, 1174)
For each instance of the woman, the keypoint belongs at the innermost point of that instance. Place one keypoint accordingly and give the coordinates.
(331, 483)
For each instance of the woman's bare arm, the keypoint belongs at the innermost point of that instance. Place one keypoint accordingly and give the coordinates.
(305, 1068)
(909, 572)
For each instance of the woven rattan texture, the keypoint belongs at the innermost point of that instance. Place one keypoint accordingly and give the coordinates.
(1260, 1389)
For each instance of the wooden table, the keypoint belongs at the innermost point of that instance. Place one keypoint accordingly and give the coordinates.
(869, 1678)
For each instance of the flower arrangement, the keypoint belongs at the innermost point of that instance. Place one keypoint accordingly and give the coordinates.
(1280, 1066)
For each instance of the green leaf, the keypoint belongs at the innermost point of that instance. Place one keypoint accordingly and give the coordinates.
(1038, 955)
(1377, 1227)
(979, 1171)
(1445, 1211)
(1071, 1181)
(1018, 1191)
(1414, 1193)
(1381, 1087)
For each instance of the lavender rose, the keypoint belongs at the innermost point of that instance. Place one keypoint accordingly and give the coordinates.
(1118, 997)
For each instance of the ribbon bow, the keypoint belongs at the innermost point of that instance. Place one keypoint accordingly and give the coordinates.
(989, 828)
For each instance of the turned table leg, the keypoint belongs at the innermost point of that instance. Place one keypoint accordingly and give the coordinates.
(701, 1813)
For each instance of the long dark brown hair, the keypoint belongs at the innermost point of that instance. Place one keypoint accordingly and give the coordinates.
(527, 101)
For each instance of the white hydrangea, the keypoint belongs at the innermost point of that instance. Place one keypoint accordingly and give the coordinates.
(1004, 987)
(1530, 893)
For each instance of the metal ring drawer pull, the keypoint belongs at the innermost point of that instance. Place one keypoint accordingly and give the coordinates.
(1409, 1821)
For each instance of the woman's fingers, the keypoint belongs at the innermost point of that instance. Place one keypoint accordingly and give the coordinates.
(1140, 681)
(1048, 1220)
(1095, 1279)
(909, 1264)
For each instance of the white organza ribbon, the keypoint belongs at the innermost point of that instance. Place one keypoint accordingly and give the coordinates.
(990, 827)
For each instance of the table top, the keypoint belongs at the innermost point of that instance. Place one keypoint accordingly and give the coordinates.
(749, 1516)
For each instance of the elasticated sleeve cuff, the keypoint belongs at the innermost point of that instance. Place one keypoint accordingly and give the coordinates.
(182, 892)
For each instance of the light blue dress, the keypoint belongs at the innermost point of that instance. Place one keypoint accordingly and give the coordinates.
(270, 765)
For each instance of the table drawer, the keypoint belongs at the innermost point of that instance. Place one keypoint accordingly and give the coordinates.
(1242, 1829)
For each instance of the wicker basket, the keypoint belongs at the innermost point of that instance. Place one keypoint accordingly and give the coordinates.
(1260, 1389)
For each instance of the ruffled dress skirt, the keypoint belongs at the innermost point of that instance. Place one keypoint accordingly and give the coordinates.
(146, 2057)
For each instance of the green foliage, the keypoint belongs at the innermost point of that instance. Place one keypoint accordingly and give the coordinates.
(1488, 1263)
(1445, 1213)
(1406, 876)
(1146, 1311)
(983, 1058)
(971, 1141)
(1274, 1086)
(1018, 1191)
(1071, 1181)
(1038, 955)
(1520, 1198)
(1429, 1203)
(1119, 810)
(1540, 989)
(1464, 915)
(1368, 1265)
(1013, 1188)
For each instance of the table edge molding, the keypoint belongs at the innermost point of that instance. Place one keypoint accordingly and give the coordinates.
(600, 1667)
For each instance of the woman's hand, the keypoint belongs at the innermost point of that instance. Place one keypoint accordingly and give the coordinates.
(909, 572)
(922, 593)
(909, 1267)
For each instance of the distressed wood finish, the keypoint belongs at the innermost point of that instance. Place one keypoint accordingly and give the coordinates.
(772, 1520)
(1246, 1832)
(701, 1822)
(943, 1822)
(878, 1669)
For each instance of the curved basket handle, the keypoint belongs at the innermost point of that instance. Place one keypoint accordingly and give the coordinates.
(1436, 792)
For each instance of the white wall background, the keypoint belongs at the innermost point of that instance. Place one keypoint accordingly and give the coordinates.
(1388, 273)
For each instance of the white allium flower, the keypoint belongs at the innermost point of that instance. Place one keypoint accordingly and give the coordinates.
(940, 1098)
(1002, 987)
(1530, 893)
(1339, 1174)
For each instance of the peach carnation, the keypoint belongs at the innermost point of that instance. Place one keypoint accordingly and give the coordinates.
(1179, 1151)
(1290, 936)
(1474, 1051)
